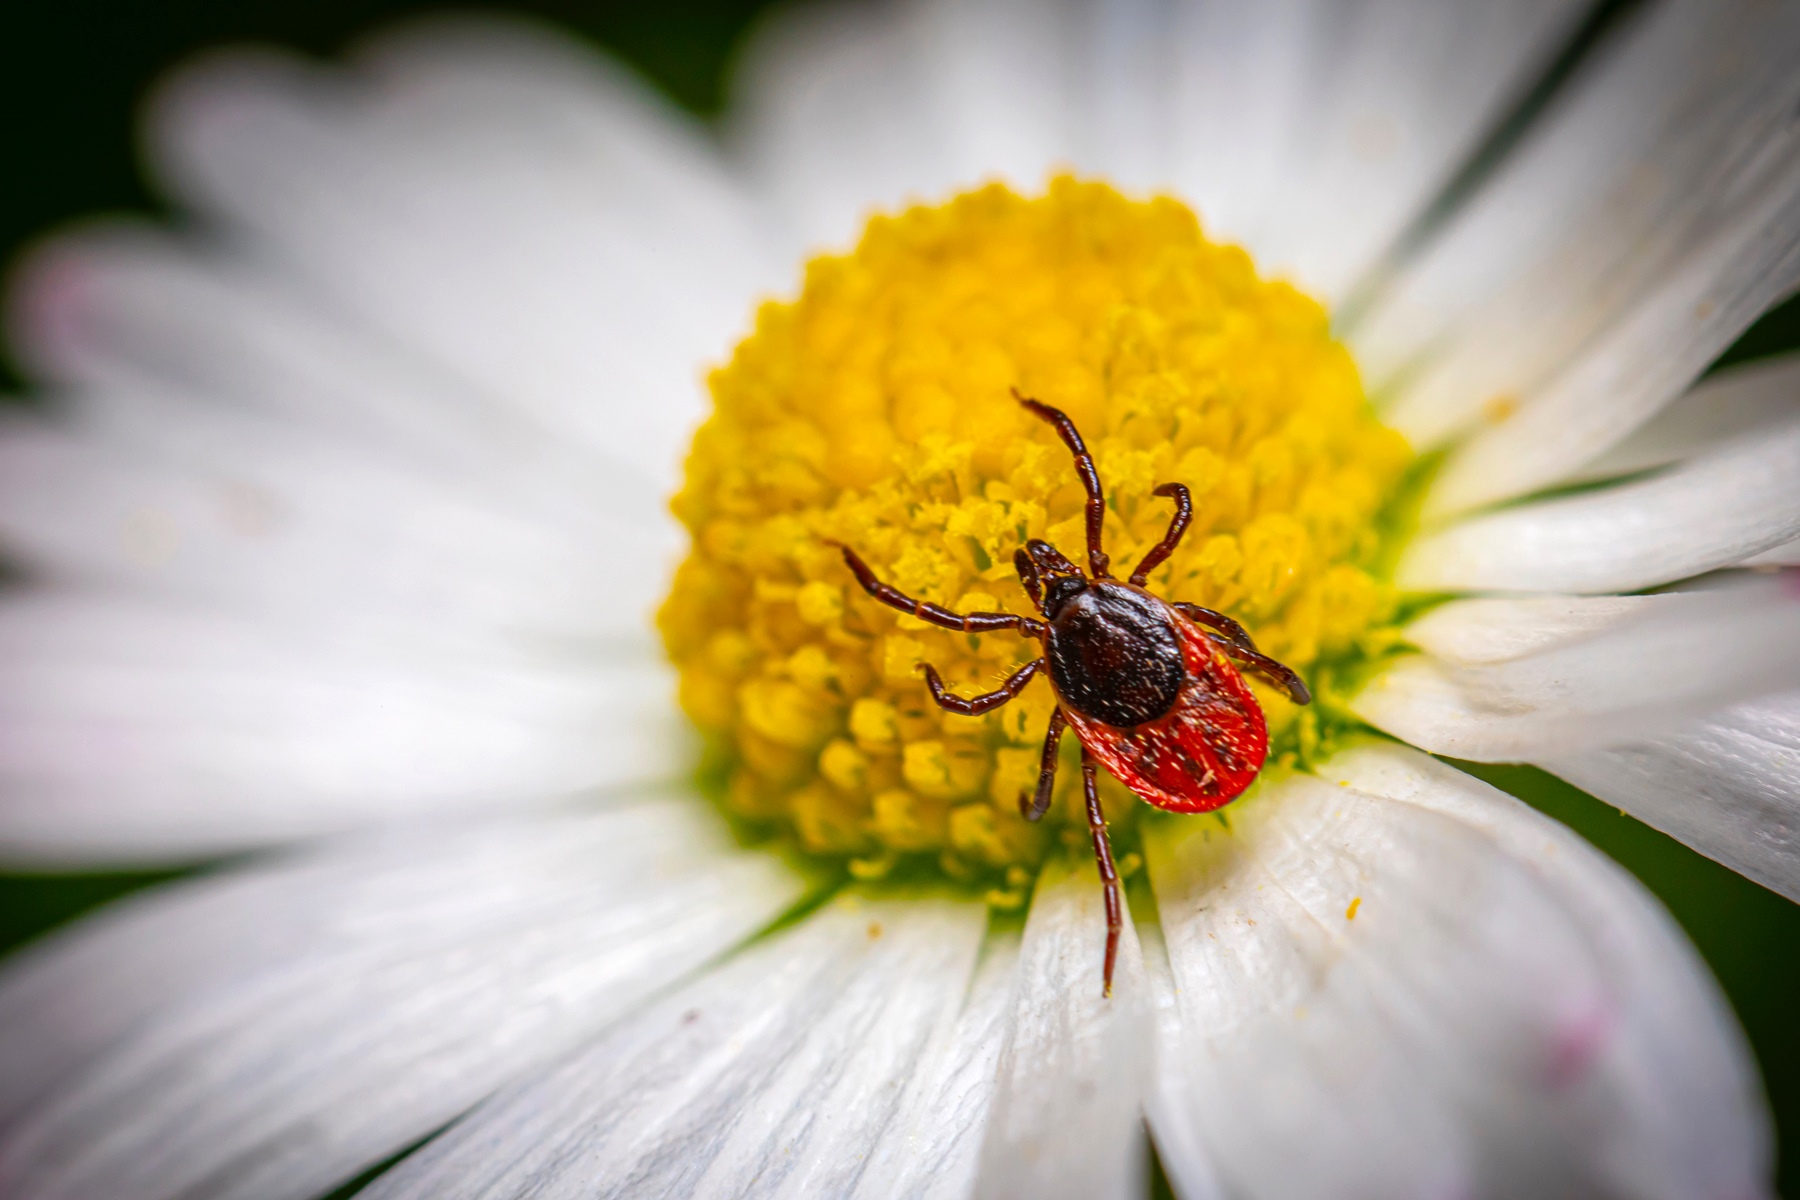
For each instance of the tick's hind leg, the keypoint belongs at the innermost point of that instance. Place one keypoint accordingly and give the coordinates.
(1235, 641)
(1234, 633)
(1032, 808)
(1279, 674)
(1109, 877)
(974, 706)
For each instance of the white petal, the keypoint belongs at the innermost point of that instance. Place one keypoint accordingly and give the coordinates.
(772, 1075)
(1065, 1121)
(203, 504)
(131, 732)
(843, 109)
(813, 1123)
(1241, 92)
(190, 1052)
(1787, 555)
(1363, 110)
(931, 1149)
(839, 109)
(1630, 372)
(1180, 1145)
(1755, 399)
(1653, 214)
(498, 201)
(399, 888)
(1469, 633)
(123, 311)
(1412, 985)
(1314, 132)
(1727, 784)
(1716, 510)
(1669, 658)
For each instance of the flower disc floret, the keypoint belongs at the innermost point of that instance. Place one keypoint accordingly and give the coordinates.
(876, 410)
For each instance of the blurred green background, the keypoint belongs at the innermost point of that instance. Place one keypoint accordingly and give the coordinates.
(71, 76)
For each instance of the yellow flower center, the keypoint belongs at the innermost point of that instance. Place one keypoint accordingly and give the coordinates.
(876, 410)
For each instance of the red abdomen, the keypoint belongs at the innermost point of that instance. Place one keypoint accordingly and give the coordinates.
(1200, 754)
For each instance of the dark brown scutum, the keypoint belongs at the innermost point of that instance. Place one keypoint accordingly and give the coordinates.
(1114, 656)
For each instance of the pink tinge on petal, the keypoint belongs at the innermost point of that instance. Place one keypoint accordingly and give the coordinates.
(1578, 1038)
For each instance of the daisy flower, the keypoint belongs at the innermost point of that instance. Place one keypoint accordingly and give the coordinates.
(576, 848)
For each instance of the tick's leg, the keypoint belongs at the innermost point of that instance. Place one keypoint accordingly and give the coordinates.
(1033, 808)
(1184, 512)
(974, 706)
(981, 622)
(1283, 677)
(1235, 641)
(1028, 575)
(1109, 878)
(1090, 479)
(1234, 633)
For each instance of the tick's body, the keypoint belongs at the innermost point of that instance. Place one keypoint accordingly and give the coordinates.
(1151, 694)
(1156, 702)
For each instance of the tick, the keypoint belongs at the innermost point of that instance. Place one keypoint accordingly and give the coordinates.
(1152, 687)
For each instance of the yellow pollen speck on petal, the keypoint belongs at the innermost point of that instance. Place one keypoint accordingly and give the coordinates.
(1350, 913)
(875, 410)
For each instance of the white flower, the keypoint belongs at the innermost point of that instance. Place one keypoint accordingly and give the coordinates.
(346, 519)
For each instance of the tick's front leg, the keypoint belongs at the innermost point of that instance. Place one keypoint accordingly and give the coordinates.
(1184, 512)
(925, 610)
